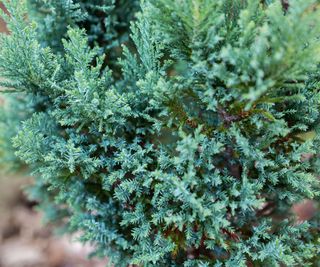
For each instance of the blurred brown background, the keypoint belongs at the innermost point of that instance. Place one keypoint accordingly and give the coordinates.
(25, 241)
(2, 24)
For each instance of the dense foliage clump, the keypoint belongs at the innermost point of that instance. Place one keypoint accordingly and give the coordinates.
(184, 145)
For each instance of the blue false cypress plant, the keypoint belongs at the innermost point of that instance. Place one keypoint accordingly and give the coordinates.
(192, 149)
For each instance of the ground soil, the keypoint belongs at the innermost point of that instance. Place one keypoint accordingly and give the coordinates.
(26, 242)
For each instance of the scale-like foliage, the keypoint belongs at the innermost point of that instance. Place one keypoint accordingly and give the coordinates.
(192, 154)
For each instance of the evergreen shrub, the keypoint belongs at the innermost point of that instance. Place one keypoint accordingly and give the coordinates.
(181, 140)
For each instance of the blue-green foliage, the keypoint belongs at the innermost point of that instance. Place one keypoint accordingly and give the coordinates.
(195, 154)
(12, 111)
